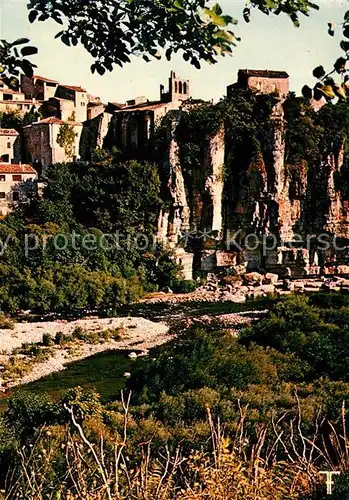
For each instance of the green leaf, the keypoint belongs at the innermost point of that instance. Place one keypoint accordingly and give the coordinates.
(65, 39)
(33, 14)
(224, 35)
(27, 68)
(339, 65)
(29, 51)
(195, 63)
(339, 90)
(344, 45)
(20, 41)
(217, 9)
(100, 69)
(178, 5)
(246, 14)
(327, 90)
(307, 92)
(218, 50)
(319, 72)
(295, 20)
(215, 19)
(331, 27)
(56, 17)
(317, 93)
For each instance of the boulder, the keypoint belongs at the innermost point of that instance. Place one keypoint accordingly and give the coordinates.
(252, 279)
(298, 287)
(270, 279)
(343, 269)
(267, 288)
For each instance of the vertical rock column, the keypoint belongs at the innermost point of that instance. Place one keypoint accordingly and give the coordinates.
(172, 223)
(214, 159)
(336, 213)
(289, 210)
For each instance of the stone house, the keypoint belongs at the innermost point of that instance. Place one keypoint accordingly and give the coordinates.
(264, 81)
(13, 181)
(76, 95)
(38, 87)
(132, 125)
(56, 99)
(9, 145)
(40, 146)
(12, 100)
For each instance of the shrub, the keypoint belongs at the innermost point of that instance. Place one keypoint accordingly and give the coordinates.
(6, 323)
(79, 333)
(59, 338)
(184, 286)
(47, 340)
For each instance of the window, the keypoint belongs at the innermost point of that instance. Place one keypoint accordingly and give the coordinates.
(2, 195)
(2, 178)
(180, 87)
(7, 97)
(17, 178)
(184, 87)
(176, 87)
(15, 195)
(5, 158)
(8, 145)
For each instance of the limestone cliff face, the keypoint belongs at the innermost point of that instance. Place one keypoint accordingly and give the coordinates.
(262, 195)
(239, 176)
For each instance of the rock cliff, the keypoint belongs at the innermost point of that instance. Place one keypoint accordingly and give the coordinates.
(259, 182)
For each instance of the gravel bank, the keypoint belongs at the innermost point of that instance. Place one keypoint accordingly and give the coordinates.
(140, 334)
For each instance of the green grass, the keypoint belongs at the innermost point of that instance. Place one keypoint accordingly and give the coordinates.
(103, 372)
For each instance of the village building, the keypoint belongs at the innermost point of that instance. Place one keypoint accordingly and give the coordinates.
(12, 101)
(38, 87)
(14, 179)
(263, 81)
(9, 145)
(40, 146)
(132, 124)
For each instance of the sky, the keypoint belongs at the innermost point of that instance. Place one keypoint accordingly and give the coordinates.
(267, 42)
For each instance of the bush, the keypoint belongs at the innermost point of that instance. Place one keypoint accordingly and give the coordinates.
(79, 333)
(184, 286)
(6, 323)
(59, 338)
(28, 411)
(47, 340)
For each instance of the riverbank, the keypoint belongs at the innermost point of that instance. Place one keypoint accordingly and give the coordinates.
(135, 334)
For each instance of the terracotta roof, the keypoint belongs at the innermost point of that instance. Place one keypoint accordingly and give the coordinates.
(146, 106)
(10, 91)
(8, 131)
(264, 73)
(44, 79)
(73, 87)
(18, 102)
(16, 168)
(56, 121)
